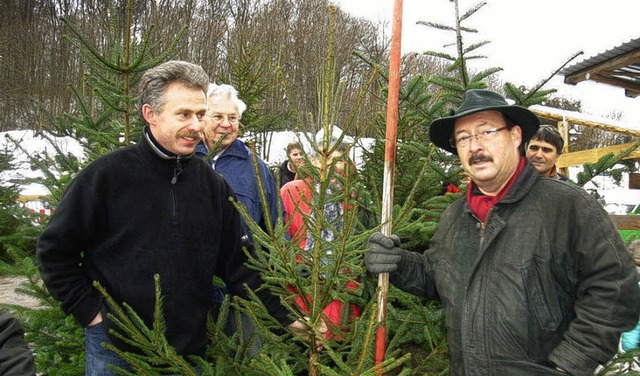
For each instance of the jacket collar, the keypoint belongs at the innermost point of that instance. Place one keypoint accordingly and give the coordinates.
(236, 149)
(523, 184)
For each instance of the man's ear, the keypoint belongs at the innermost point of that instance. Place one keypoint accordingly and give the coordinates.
(148, 114)
(516, 135)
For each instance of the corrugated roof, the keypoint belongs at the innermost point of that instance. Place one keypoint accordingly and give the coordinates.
(619, 66)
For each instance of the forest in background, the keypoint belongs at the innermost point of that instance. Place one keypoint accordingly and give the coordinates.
(255, 45)
(271, 50)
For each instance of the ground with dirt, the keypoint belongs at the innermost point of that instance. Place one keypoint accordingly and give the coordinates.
(9, 295)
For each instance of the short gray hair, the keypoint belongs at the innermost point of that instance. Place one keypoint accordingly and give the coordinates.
(226, 92)
(153, 83)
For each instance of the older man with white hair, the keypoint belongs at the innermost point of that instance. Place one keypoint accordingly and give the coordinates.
(232, 159)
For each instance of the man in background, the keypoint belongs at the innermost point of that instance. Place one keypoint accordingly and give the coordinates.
(543, 151)
(295, 159)
(232, 159)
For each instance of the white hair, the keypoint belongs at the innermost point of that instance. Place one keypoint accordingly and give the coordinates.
(227, 92)
(334, 136)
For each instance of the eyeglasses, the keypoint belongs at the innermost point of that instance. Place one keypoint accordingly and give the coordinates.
(463, 141)
(218, 118)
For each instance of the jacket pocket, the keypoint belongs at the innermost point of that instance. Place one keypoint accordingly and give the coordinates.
(542, 295)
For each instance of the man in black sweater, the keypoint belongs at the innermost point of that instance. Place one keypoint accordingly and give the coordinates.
(150, 209)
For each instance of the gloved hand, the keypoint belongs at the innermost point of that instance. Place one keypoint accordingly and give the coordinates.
(383, 253)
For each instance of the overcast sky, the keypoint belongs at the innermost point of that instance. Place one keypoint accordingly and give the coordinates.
(529, 39)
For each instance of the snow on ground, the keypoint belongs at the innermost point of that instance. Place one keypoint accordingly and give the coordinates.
(278, 146)
(22, 144)
(33, 143)
(618, 198)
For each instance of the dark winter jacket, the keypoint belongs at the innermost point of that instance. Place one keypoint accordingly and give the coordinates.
(286, 175)
(15, 357)
(546, 280)
(235, 164)
(138, 212)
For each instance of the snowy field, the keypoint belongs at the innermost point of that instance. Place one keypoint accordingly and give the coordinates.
(31, 143)
(619, 199)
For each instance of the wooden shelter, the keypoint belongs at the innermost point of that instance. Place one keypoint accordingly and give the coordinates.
(565, 118)
(619, 66)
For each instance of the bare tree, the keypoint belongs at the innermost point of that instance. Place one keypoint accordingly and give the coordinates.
(272, 50)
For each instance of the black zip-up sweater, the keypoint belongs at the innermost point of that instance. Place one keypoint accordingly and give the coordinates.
(137, 212)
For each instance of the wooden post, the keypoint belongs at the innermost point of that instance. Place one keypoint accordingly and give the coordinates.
(389, 172)
(563, 127)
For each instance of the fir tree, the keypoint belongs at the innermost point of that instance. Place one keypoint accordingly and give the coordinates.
(10, 218)
(104, 120)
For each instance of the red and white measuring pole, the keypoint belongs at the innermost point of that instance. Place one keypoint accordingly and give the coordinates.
(389, 172)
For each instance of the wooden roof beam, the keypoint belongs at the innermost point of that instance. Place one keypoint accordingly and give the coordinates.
(619, 82)
(631, 93)
(587, 123)
(581, 157)
(628, 58)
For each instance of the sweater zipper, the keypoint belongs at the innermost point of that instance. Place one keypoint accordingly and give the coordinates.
(177, 170)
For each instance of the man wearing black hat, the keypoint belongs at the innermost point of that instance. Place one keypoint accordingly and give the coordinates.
(533, 275)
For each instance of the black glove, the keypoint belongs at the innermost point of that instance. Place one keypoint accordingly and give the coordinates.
(383, 253)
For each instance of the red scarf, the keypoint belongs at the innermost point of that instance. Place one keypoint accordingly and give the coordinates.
(481, 204)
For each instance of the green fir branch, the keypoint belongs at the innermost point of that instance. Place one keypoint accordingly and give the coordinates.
(157, 353)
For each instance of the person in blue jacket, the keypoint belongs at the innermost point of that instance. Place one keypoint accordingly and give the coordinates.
(232, 159)
(631, 339)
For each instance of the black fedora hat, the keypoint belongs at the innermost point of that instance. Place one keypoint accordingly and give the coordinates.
(477, 100)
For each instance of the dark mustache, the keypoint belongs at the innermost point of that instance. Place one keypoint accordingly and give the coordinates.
(194, 135)
(476, 158)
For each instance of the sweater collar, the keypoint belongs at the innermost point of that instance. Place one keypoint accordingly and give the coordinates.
(159, 150)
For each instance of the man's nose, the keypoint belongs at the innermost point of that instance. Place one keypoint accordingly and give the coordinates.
(196, 124)
(474, 143)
